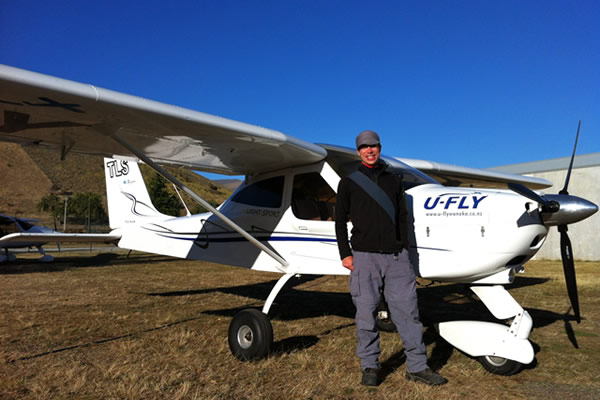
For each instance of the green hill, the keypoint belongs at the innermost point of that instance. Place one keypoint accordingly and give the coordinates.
(29, 173)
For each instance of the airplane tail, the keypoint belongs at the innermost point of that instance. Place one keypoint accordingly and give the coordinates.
(128, 199)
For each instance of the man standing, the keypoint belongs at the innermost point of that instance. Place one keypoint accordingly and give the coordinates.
(379, 259)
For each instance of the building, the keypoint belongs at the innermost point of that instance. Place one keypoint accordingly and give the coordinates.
(585, 183)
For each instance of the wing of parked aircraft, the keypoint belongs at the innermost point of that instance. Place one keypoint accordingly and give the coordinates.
(14, 239)
(22, 233)
(44, 110)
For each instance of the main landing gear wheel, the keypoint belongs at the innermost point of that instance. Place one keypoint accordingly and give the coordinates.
(383, 319)
(500, 365)
(250, 335)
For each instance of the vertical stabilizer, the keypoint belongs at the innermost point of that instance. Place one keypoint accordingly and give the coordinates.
(127, 196)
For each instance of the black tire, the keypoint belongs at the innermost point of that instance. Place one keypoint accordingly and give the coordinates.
(500, 365)
(250, 335)
(383, 319)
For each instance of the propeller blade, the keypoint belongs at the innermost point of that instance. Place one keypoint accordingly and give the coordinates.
(564, 189)
(566, 252)
(523, 190)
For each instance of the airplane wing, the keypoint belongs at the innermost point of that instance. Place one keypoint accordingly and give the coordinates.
(14, 238)
(453, 175)
(49, 111)
(45, 110)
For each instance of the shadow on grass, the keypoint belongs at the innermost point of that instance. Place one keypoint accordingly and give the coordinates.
(438, 303)
(440, 354)
(442, 350)
(545, 317)
(298, 343)
(450, 302)
(27, 266)
(293, 344)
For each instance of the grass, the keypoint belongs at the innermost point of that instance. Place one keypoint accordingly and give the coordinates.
(148, 327)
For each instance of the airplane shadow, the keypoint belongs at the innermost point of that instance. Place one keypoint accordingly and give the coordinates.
(291, 303)
(440, 354)
(298, 343)
(437, 303)
(60, 263)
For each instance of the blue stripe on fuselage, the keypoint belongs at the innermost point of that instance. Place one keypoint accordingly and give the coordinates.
(274, 239)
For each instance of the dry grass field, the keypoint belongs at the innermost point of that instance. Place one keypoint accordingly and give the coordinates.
(104, 326)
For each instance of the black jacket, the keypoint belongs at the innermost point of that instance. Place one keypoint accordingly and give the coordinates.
(373, 230)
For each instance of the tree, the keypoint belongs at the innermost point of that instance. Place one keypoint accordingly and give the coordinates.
(84, 205)
(165, 202)
(51, 204)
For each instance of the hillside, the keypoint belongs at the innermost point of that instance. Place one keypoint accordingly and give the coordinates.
(23, 182)
(28, 173)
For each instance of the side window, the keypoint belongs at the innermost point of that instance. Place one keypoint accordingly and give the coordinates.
(267, 193)
(312, 198)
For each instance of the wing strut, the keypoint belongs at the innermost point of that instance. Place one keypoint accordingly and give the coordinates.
(284, 264)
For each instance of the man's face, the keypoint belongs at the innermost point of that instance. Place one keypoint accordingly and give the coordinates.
(369, 154)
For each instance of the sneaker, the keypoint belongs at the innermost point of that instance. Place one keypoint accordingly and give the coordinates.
(427, 376)
(370, 377)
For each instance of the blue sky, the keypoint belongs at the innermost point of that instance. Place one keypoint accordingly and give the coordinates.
(472, 83)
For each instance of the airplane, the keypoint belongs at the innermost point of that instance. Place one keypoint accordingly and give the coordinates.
(10, 225)
(23, 233)
(281, 218)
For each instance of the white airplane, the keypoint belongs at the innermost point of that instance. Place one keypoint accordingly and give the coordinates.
(280, 218)
(23, 233)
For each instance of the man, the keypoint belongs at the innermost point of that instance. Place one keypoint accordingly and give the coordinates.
(379, 259)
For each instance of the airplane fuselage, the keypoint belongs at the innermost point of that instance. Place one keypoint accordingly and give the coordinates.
(456, 234)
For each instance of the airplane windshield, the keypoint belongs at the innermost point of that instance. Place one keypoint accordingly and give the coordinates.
(345, 160)
(25, 225)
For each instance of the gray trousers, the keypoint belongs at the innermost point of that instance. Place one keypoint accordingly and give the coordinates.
(371, 271)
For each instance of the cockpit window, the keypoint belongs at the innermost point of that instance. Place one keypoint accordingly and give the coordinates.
(266, 193)
(25, 225)
(312, 198)
(8, 226)
(345, 161)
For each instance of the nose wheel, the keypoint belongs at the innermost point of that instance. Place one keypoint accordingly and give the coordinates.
(500, 365)
(250, 335)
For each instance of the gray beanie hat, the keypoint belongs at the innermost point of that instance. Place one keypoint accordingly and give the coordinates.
(367, 137)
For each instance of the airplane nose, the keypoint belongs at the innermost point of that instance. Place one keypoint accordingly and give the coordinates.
(572, 209)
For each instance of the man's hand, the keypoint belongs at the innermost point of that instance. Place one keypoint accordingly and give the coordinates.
(348, 262)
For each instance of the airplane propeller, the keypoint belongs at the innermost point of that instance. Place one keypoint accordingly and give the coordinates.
(560, 210)
(566, 250)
